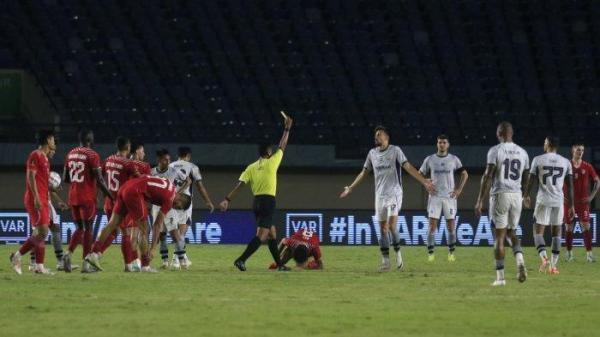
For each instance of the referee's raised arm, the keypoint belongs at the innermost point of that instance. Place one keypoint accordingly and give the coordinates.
(286, 133)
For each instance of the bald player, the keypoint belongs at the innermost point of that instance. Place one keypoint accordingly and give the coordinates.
(506, 163)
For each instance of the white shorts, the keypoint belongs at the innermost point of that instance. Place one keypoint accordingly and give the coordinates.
(505, 209)
(54, 216)
(171, 221)
(387, 206)
(437, 206)
(545, 215)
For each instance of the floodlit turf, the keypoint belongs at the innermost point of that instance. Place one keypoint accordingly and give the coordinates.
(349, 298)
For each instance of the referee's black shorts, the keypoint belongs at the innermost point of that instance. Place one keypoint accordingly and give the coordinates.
(264, 207)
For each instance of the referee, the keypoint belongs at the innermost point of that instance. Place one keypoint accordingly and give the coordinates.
(261, 176)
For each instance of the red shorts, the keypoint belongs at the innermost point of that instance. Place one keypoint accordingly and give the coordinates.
(132, 205)
(582, 212)
(83, 212)
(39, 217)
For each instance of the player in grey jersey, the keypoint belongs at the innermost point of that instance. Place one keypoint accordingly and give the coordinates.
(191, 171)
(506, 163)
(441, 167)
(386, 162)
(172, 218)
(552, 171)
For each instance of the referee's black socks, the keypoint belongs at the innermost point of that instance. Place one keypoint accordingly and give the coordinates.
(252, 247)
(274, 251)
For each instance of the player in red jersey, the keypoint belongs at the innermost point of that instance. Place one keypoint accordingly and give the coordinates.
(301, 246)
(137, 158)
(37, 203)
(131, 202)
(583, 174)
(82, 170)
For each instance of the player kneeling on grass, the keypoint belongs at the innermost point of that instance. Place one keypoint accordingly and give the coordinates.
(301, 246)
(131, 202)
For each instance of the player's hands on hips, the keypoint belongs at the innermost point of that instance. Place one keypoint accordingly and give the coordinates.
(224, 205)
(527, 202)
(346, 192)
(456, 193)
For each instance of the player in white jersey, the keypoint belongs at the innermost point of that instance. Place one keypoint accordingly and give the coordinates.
(506, 163)
(173, 218)
(551, 171)
(441, 167)
(386, 162)
(191, 171)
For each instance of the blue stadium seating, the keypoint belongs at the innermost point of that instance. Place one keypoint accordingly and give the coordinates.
(209, 71)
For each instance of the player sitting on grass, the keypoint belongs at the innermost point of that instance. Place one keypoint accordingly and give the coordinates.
(301, 246)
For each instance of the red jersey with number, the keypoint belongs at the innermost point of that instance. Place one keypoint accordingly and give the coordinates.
(582, 176)
(155, 190)
(140, 168)
(37, 162)
(117, 170)
(80, 164)
(309, 238)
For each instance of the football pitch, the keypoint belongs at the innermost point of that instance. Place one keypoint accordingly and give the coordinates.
(348, 298)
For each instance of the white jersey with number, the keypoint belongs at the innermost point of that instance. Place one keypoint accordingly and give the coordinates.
(510, 160)
(170, 173)
(551, 170)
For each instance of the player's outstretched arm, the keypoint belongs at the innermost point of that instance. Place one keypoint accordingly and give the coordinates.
(286, 133)
(225, 203)
(484, 187)
(101, 183)
(419, 177)
(204, 193)
(359, 178)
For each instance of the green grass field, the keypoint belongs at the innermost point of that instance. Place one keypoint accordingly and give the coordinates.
(349, 298)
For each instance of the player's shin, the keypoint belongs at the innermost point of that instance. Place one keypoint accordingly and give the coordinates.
(274, 251)
(384, 247)
(540, 245)
(252, 247)
(555, 250)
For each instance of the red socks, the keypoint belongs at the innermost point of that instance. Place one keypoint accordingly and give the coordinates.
(587, 240)
(569, 240)
(76, 239)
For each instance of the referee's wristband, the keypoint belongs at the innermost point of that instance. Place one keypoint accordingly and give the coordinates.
(228, 200)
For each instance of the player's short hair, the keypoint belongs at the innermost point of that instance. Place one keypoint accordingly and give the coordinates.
(183, 151)
(382, 128)
(577, 144)
(263, 149)
(443, 137)
(505, 127)
(43, 135)
(136, 146)
(300, 254)
(186, 200)
(553, 141)
(122, 143)
(162, 152)
(85, 136)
